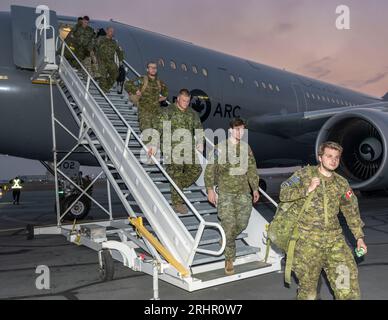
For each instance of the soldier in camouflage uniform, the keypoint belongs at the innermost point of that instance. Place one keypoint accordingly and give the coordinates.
(187, 169)
(321, 243)
(82, 39)
(70, 41)
(151, 91)
(106, 49)
(235, 187)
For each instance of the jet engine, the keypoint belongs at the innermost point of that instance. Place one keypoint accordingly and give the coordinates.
(363, 133)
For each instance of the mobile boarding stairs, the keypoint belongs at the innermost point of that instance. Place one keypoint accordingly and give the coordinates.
(184, 250)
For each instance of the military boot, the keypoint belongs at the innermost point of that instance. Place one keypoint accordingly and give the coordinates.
(181, 208)
(229, 268)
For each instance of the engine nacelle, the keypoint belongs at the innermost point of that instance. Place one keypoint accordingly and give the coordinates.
(363, 133)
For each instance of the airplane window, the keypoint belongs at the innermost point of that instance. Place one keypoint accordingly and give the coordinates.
(232, 78)
(173, 65)
(240, 80)
(204, 72)
(264, 85)
(184, 67)
(270, 86)
(195, 69)
(256, 84)
(161, 62)
(277, 89)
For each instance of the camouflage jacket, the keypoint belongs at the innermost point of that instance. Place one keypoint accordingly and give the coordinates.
(70, 38)
(188, 120)
(334, 193)
(150, 96)
(231, 176)
(82, 37)
(106, 49)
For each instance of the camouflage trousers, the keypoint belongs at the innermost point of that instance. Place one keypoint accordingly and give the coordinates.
(148, 114)
(91, 67)
(184, 175)
(234, 212)
(108, 75)
(332, 255)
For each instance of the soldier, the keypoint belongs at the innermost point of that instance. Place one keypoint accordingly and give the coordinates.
(16, 186)
(106, 49)
(187, 169)
(83, 39)
(235, 188)
(150, 91)
(321, 243)
(71, 42)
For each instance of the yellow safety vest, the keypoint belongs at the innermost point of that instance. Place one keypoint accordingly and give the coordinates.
(16, 184)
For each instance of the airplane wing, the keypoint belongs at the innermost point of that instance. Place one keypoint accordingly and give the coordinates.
(303, 122)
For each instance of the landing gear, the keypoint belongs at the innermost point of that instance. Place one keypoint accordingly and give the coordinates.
(79, 210)
(107, 268)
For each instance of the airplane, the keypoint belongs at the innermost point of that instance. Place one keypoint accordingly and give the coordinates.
(288, 114)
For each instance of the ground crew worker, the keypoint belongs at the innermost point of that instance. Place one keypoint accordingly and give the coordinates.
(16, 186)
(234, 202)
(181, 160)
(150, 91)
(106, 49)
(321, 243)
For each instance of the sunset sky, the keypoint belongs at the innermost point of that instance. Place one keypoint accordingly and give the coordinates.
(298, 35)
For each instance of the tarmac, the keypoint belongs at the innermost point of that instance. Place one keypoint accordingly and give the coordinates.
(74, 270)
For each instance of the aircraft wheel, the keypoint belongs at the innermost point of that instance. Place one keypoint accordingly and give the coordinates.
(80, 209)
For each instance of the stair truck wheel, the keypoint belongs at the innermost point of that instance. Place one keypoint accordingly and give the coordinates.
(106, 269)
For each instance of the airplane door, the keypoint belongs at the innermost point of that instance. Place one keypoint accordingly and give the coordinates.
(300, 98)
(23, 34)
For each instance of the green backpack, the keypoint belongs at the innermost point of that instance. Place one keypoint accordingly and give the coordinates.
(283, 230)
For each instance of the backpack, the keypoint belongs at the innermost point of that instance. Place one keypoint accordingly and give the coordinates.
(135, 98)
(283, 230)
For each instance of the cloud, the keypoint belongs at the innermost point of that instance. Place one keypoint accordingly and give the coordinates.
(283, 28)
(358, 84)
(318, 68)
(376, 78)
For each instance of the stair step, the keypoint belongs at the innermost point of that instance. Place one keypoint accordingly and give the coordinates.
(192, 197)
(158, 177)
(203, 208)
(213, 237)
(165, 187)
(128, 111)
(238, 269)
(241, 250)
(126, 117)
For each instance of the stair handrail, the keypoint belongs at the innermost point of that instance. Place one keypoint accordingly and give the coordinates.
(203, 224)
